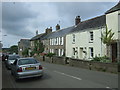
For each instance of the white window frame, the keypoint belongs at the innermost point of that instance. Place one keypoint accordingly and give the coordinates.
(58, 52)
(54, 41)
(62, 52)
(59, 41)
(91, 52)
(91, 36)
(73, 51)
(62, 40)
(50, 41)
(52, 50)
(73, 39)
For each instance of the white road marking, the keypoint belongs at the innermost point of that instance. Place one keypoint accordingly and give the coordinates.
(68, 75)
(107, 87)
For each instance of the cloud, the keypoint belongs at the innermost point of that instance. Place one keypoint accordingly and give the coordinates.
(15, 18)
(22, 19)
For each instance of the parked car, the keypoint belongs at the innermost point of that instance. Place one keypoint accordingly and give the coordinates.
(26, 68)
(10, 59)
(4, 56)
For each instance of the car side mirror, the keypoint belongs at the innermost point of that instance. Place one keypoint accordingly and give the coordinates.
(5, 59)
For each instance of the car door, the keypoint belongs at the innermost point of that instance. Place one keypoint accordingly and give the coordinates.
(14, 67)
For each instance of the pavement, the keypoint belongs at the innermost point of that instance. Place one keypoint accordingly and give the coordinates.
(60, 76)
(0, 73)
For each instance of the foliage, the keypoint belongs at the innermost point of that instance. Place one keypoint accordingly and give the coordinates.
(50, 54)
(25, 52)
(102, 59)
(14, 49)
(39, 48)
(107, 36)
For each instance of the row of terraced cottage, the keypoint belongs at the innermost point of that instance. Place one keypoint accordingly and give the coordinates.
(82, 40)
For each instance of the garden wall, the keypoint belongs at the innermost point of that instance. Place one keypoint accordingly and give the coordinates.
(91, 65)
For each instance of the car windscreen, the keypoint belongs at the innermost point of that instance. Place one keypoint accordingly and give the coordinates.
(27, 61)
(13, 57)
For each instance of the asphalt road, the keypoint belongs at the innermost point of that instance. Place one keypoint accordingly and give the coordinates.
(60, 76)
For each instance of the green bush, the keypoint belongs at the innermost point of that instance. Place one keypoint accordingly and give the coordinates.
(25, 52)
(50, 54)
(102, 59)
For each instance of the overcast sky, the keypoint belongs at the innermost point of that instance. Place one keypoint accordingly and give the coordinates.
(21, 19)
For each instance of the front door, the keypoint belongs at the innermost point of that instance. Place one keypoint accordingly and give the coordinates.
(114, 52)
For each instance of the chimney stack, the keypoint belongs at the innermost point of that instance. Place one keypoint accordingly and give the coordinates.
(48, 30)
(57, 27)
(77, 20)
(36, 32)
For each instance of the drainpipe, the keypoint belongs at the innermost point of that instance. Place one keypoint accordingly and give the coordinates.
(118, 52)
(101, 42)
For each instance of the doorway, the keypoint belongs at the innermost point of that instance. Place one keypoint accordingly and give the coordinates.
(114, 52)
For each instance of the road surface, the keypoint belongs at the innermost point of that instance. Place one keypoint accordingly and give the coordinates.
(60, 76)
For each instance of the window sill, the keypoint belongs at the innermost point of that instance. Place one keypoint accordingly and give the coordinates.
(90, 41)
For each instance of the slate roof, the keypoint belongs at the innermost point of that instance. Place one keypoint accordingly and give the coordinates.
(39, 36)
(24, 42)
(91, 24)
(113, 9)
(59, 33)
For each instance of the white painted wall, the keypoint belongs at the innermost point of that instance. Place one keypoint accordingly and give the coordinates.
(113, 23)
(119, 25)
(82, 41)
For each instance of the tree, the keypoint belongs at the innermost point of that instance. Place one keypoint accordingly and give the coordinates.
(39, 47)
(14, 49)
(107, 38)
(25, 52)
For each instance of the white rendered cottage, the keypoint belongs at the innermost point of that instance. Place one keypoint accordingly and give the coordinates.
(85, 40)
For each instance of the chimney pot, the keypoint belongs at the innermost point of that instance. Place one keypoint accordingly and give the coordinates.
(57, 27)
(36, 32)
(48, 30)
(77, 20)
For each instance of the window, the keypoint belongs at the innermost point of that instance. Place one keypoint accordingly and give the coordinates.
(73, 51)
(91, 52)
(50, 41)
(56, 41)
(27, 61)
(50, 50)
(62, 52)
(73, 38)
(91, 36)
(61, 40)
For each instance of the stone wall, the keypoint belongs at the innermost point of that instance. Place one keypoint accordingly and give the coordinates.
(58, 60)
(97, 66)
